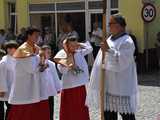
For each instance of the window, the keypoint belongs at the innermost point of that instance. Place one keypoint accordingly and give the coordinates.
(114, 3)
(12, 16)
(99, 4)
(71, 6)
(41, 7)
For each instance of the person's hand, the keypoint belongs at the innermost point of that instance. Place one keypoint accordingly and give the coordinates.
(104, 46)
(71, 66)
(2, 94)
(80, 45)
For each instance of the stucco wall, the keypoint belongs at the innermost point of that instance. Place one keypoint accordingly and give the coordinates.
(131, 10)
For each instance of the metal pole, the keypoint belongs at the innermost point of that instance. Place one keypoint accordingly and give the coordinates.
(147, 54)
(56, 23)
(102, 77)
(108, 15)
(86, 20)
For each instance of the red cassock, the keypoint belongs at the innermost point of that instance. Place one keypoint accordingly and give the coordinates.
(35, 111)
(73, 104)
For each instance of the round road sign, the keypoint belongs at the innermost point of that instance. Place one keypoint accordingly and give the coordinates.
(148, 12)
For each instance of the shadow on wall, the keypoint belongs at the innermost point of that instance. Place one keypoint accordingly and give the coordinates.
(152, 61)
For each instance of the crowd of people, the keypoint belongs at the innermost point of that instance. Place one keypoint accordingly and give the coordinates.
(29, 74)
(46, 37)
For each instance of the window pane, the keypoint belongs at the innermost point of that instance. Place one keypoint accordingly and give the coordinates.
(13, 7)
(95, 5)
(99, 4)
(71, 6)
(114, 3)
(41, 7)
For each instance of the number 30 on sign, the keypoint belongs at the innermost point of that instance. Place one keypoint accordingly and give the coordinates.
(148, 12)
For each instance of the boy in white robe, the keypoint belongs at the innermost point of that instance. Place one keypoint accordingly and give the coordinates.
(51, 79)
(75, 76)
(7, 73)
(25, 97)
(2, 53)
(121, 88)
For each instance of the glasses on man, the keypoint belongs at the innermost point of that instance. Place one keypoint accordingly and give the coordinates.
(112, 23)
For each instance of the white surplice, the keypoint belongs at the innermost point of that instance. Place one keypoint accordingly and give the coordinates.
(54, 81)
(120, 77)
(68, 79)
(26, 86)
(7, 65)
(50, 82)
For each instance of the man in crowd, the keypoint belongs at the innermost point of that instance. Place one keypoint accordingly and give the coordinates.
(10, 34)
(67, 30)
(2, 37)
(96, 38)
(21, 36)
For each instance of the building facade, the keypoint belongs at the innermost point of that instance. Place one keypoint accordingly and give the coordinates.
(52, 13)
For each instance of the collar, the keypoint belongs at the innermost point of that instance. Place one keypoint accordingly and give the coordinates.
(115, 37)
(26, 50)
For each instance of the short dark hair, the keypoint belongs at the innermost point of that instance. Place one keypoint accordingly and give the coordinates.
(119, 19)
(44, 47)
(30, 31)
(71, 38)
(11, 44)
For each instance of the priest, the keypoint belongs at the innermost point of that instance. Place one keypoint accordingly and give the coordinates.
(121, 89)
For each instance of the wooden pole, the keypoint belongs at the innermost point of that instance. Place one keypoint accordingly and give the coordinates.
(102, 78)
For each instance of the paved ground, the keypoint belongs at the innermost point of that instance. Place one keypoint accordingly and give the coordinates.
(149, 97)
(149, 109)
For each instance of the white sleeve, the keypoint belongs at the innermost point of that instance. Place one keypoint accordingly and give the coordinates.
(119, 60)
(3, 78)
(87, 48)
(57, 81)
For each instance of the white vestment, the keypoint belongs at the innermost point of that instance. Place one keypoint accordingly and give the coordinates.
(50, 83)
(7, 65)
(120, 77)
(68, 79)
(26, 86)
(54, 81)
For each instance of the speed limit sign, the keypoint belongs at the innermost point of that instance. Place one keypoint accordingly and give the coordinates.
(148, 12)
